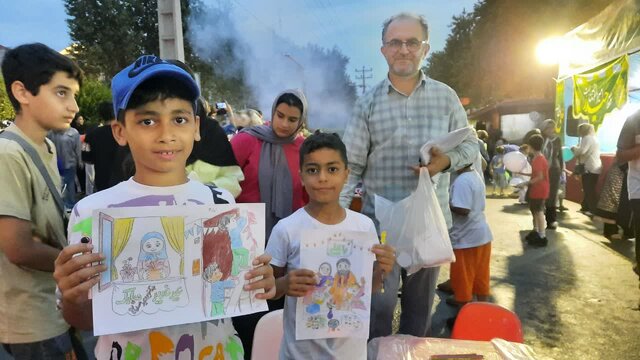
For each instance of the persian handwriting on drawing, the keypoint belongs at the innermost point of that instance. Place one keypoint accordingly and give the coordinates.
(130, 297)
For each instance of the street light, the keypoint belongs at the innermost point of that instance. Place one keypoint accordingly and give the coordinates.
(567, 50)
(549, 51)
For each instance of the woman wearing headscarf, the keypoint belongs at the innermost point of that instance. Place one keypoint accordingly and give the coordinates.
(587, 153)
(269, 156)
(552, 150)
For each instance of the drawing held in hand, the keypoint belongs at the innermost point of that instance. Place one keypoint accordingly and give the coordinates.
(174, 260)
(340, 303)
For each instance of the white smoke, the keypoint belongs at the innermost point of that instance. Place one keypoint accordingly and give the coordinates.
(272, 63)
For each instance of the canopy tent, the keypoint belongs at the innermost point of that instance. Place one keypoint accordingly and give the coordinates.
(607, 36)
(599, 74)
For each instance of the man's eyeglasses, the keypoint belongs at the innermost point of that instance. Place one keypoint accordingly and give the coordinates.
(413, 45)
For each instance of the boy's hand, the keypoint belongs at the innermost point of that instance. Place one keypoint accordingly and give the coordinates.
(385, 256)
(265, 279)
(76, 271)
(300, 282)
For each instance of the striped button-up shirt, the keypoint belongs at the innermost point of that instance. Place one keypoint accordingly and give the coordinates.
(386, 132)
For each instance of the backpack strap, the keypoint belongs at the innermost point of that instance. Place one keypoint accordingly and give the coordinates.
(33, 154)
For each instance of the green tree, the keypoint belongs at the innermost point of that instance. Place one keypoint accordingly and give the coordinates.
(452, 64)
(92, 93)
(490, 53)
(109, 34)
(6, 109)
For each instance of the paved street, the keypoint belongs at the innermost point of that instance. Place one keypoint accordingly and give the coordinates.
(577, 298)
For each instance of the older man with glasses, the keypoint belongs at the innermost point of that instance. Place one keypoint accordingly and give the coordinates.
(390, 124)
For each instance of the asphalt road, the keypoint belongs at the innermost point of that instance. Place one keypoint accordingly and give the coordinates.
(577, 298)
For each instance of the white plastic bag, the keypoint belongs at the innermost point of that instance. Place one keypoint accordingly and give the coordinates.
(416, 227)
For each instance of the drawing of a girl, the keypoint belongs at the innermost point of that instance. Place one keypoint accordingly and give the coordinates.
(153, 262)
(217, 259)
(324, 274)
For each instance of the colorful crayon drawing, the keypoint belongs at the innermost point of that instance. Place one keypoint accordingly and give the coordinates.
(340, 304)
(172, 261)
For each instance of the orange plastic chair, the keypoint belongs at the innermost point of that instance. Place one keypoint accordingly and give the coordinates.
(484, 321)
(268, 336)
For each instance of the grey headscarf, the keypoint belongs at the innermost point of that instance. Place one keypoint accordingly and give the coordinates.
(274, 177)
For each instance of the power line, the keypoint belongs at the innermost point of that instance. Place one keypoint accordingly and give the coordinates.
(364, 77)
(254, 16)
(329, 13)
(321, 23)
(336, 17)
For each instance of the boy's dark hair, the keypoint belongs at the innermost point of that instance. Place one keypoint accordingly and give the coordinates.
(291, 100)
(34, 65)
(536, 141)
(319, 140)
(105, 111)
(158, 88)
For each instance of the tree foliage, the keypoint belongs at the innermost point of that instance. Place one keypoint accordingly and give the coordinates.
(92, 93)
(490, 54)
(109, 34)
(6, 109)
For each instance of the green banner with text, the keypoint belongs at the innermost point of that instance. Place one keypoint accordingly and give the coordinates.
(599, 92)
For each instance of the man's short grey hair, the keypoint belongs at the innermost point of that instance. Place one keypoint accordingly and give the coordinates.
(407, 15)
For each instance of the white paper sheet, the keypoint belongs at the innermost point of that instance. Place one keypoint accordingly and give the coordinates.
(175, 264)
(340, 305)
(445, 143)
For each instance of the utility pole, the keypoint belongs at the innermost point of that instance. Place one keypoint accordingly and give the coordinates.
(364, 77)
(170, 30)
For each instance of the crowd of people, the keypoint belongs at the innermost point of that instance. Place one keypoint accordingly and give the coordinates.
(160, 137)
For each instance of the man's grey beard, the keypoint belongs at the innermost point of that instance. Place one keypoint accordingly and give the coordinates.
(343, 272)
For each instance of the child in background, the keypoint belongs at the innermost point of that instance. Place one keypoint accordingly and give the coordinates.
(563, 190)
(538, 191)
(470, 237)
(154, 103)
(323, 170)
(498, 171)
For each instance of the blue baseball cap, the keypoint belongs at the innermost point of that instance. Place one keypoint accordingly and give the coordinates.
(144, 68)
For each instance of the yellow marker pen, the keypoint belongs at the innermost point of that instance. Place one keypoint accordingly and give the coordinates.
(383, 240)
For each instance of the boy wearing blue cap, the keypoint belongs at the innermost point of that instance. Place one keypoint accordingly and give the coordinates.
(154, 104)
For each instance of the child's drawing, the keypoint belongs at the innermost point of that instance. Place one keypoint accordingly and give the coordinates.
(153, 262)
(165, 266)
(217, 260)
(339, 306)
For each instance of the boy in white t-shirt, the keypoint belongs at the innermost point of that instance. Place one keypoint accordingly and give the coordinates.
(323, 170)
(154, 103)
(471, 239)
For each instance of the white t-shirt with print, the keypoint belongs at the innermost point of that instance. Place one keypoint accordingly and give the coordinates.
(468, 192)
(189, 340)
(284, 247)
